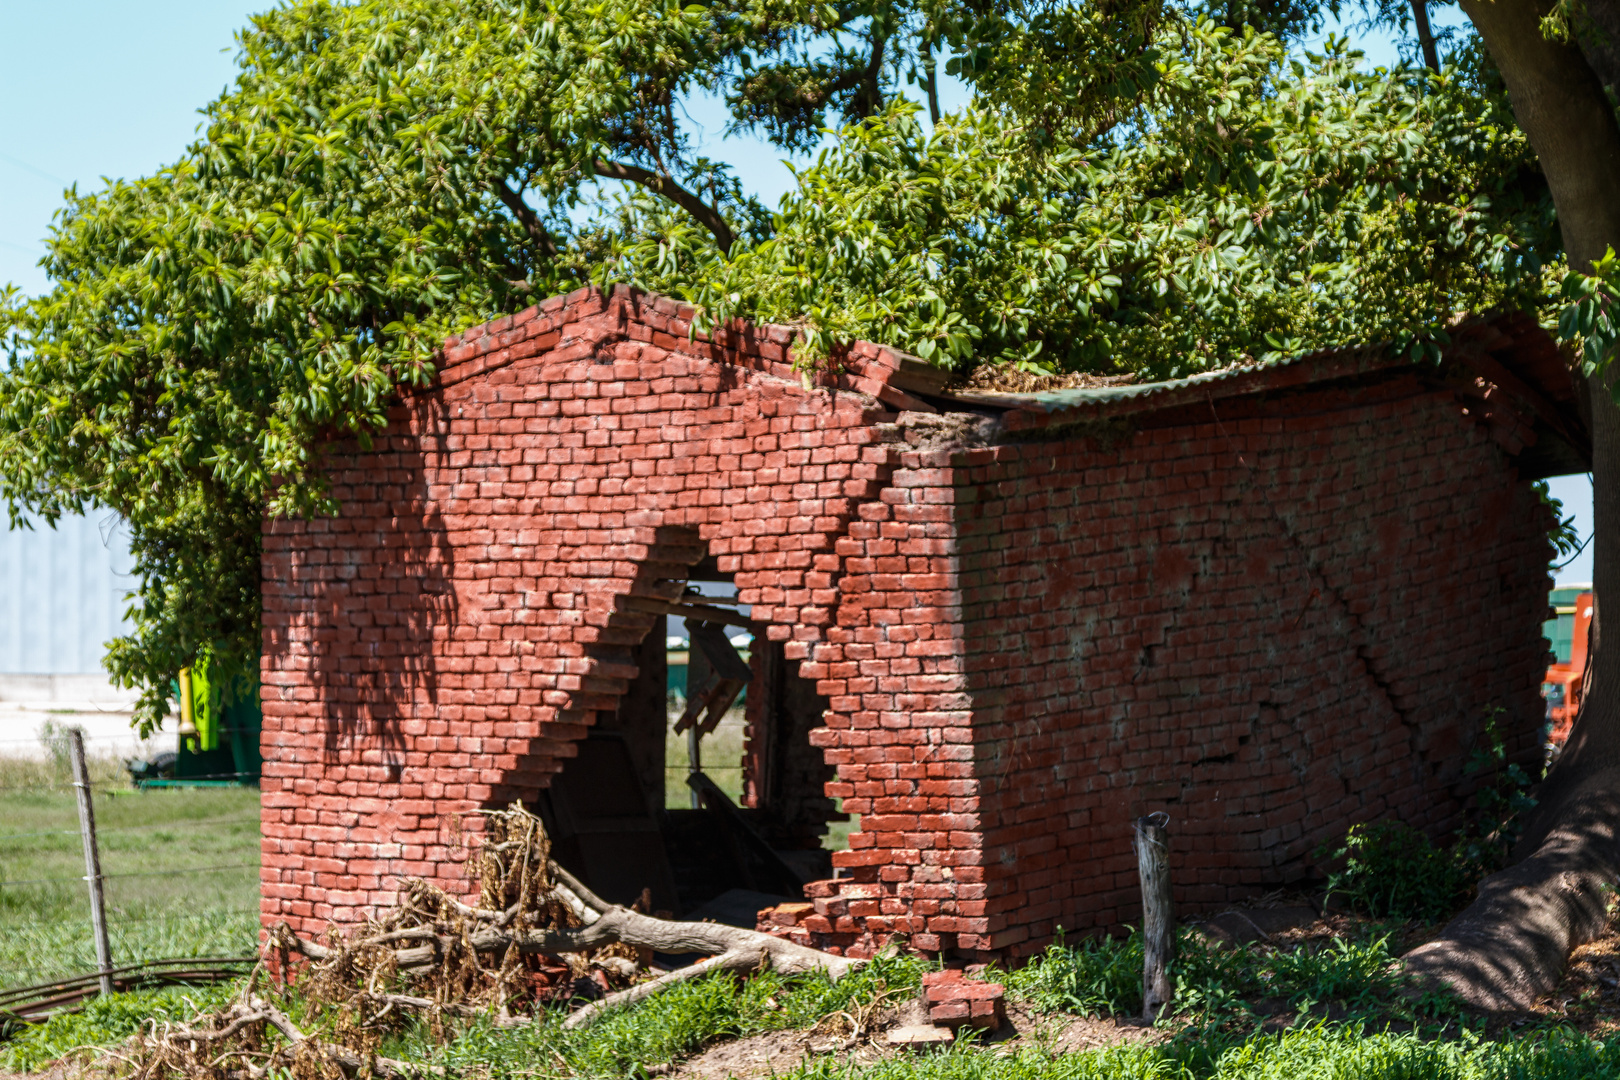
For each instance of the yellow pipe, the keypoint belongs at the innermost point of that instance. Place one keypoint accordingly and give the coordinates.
(188, 728)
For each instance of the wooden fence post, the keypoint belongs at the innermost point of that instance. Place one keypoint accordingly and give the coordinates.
(92, 858)
(1152, 843)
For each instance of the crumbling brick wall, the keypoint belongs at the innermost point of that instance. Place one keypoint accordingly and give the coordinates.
(442, 643)
(1268, 625)
(1271, 617)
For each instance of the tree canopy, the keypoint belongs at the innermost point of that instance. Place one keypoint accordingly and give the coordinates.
(1136, 186)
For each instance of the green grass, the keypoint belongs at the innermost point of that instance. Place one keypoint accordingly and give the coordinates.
(663, 1028)
(159, 851)
(1215, 986)
(694, 1015)
(722, 755)
(108, 1021)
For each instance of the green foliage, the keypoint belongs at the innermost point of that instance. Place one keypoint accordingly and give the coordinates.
(1564, 537)
(1588, 321)
(1217, 986)
(1131, 189)
(672, 1024)
(105, 1021)
(1245, 206)
(1391, 870)
(1098, 977)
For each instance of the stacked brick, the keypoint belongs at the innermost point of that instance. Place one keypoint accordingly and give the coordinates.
(955, 1000)
(1268, 613)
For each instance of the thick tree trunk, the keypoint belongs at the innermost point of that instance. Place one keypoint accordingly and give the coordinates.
(1508, 948)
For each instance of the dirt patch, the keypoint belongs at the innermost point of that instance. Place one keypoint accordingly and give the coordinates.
(777, 1052)
(757, 1055)
(1064, 1034)
(57, 1070)
(1588, 996)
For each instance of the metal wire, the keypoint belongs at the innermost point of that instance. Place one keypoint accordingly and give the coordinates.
(4, 836)
(137, 874)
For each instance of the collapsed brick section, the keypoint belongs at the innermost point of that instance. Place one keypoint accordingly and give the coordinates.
(1271, 606)
(954, 1000)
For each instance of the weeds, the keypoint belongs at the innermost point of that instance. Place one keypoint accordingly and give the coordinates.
(1218, 986)
(642, 1040)
(105, 1021)
(660, 1029)
(1390, 870)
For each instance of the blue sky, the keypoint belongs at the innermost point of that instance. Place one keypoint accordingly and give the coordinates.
(95, 88)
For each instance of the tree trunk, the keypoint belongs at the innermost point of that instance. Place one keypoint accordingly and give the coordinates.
(1425, 34)
(1508, 948)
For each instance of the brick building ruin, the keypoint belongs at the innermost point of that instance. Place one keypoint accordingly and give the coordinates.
(991, 628)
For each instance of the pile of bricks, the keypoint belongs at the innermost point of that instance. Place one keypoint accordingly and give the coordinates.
(955, 1000)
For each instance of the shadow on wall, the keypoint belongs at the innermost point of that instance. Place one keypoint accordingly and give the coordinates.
(379, 661)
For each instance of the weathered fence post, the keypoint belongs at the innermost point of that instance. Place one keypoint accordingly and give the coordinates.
(1152, 843)
(92, 857)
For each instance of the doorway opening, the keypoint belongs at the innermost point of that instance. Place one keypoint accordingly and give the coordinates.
(701, 794)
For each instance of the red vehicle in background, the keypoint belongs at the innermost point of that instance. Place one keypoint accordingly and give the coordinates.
(1567, 631)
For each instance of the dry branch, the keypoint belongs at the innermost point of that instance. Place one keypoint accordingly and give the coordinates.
(435, 956)
(740, 960)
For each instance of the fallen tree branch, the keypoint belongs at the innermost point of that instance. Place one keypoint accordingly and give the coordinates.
(616, 924)
(464, 959)
(737, 960)
(349, 1061)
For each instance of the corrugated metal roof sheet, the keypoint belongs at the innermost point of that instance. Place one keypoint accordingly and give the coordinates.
(1245, 379)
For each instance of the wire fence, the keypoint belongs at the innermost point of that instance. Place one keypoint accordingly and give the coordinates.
(179, 870)
(113, 792)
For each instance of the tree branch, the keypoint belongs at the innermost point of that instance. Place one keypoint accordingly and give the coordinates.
(931, 85)
(527, 218)
(742, 959)
(1425, 35)
(707, 216)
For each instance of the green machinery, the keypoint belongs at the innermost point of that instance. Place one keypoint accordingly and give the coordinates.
(218, 735)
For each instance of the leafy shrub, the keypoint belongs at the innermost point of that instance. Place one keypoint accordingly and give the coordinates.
(1391, 870)
(1216, 984)
(1100, 976)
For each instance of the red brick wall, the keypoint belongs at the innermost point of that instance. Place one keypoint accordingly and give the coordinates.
(440, 645)
(1270, 626)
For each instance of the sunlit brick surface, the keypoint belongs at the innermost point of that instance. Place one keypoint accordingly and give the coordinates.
(1270, 616)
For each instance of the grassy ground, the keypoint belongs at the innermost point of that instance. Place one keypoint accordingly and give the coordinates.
(1325, 1009)
(182, 869)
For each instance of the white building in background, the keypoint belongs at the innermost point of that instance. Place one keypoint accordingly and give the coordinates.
(62, 597)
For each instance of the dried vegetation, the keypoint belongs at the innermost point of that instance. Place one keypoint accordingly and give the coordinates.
(537, 937)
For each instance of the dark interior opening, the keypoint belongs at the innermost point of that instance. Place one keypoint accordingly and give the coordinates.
(743, 831)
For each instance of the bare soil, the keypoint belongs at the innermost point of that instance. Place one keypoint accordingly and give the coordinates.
(779, 1051)
(1588, 995)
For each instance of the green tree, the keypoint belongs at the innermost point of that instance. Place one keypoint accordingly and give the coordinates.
(1136, 185)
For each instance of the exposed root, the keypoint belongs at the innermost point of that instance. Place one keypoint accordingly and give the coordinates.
(1506, 950)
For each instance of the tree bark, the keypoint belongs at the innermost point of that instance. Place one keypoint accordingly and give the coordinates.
(1508, 948)
(1152, 844)
(1425, 34)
